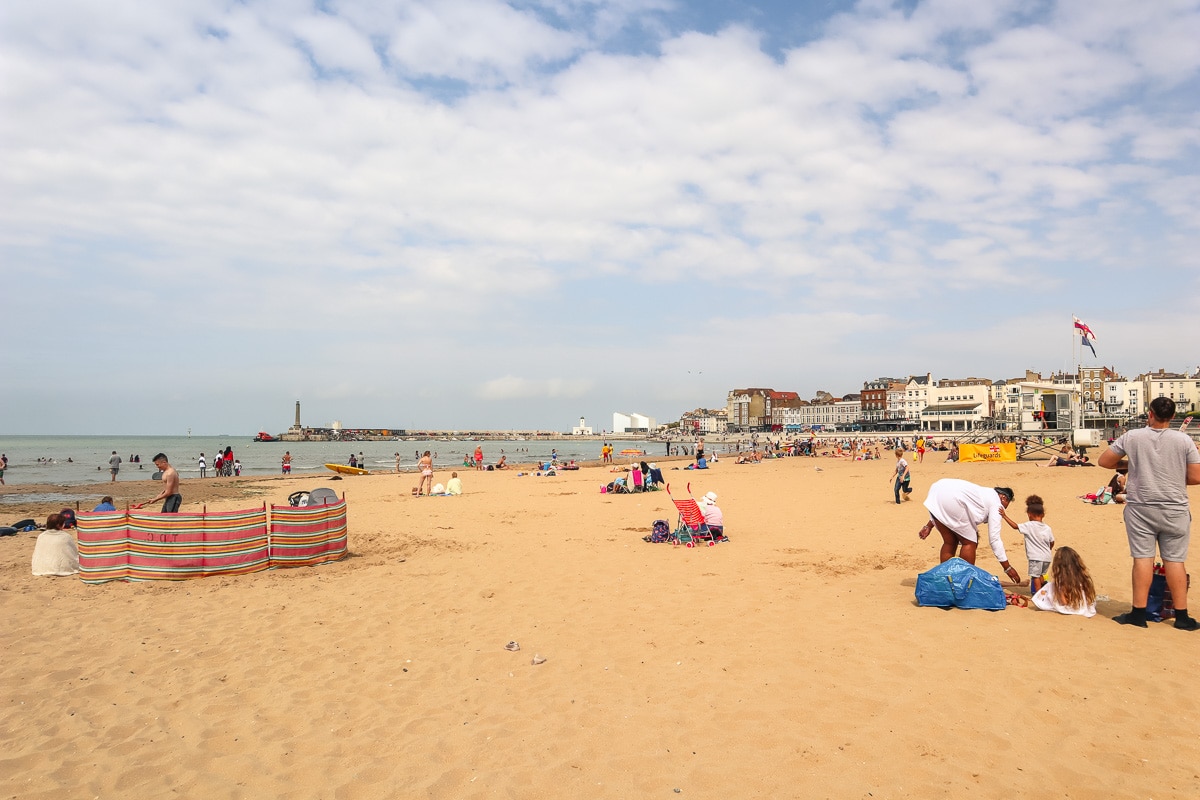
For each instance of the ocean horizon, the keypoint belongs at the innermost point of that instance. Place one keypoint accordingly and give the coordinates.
(79, 460)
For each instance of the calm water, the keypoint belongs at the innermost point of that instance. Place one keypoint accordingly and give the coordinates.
(73, 460)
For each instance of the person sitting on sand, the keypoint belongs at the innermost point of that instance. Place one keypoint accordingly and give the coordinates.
(656, 476)
(56, 553)
(106, 504)
(635, 478)
(1116, 485)
(957, 508)
(454, 485)
(502, 463)
(1070, 589)
(1065, 458)
(713, 517)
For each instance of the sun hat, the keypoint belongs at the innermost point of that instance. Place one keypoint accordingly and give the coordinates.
(710, 497)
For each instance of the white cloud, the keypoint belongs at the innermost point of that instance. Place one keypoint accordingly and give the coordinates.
(516, 192)
(480, 41)
(336, 45)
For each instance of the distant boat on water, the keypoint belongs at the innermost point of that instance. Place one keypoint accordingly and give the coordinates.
(263, 436)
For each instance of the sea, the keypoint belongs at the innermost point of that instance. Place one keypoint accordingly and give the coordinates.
(77, 460)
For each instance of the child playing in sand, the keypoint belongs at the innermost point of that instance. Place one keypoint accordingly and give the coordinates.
(1070, 590)
(1039, 540)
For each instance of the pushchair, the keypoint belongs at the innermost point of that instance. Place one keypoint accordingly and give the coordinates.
(692, 527)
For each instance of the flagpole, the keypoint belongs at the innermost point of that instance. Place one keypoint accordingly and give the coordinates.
(1079, 384)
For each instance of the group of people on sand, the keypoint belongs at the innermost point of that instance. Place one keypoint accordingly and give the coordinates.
(426, 487)
(1160, 464)
(1068, 457)
(56, 552)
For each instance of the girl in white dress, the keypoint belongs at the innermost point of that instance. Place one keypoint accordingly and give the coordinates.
(1070, 589)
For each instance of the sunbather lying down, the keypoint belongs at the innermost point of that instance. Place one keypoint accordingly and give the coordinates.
(749, 458)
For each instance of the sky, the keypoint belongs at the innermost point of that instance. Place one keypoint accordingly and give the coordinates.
(472, 214)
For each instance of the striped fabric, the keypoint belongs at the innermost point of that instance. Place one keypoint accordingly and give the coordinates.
(147, 546)
(308, 535)
(103, 546)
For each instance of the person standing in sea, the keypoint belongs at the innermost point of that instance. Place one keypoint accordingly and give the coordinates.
(3, 467)
(114, 466)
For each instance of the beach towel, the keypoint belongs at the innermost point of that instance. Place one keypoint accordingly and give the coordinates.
(956, 583)
(55, 554)
(303, 537)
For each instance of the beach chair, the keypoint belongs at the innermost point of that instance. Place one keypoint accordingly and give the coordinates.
(322, 496)
(692, 528)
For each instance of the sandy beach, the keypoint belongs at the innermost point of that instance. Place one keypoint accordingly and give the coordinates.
(790, 662)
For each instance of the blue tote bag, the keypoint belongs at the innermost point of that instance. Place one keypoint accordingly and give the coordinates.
(959, 584)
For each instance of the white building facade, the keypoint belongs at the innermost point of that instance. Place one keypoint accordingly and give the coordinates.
(1184, 390)
(916, 395)
(632, 423)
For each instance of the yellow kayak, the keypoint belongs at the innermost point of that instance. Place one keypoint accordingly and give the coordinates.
(346, 469)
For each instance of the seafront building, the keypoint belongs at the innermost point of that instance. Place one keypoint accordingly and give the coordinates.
(633, 423)
(1091, 397)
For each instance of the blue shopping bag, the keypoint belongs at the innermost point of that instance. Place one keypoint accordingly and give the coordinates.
(955, 583)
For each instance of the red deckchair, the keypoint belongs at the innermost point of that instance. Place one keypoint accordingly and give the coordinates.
(692, 527)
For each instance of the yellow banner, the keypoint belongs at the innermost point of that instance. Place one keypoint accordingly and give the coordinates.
(987, 452)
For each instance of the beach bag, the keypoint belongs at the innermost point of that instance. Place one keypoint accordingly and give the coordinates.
(955, 583)
(660, 532)
(1154, 601)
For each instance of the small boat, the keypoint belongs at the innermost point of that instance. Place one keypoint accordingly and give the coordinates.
(263, 436)
(346, 469)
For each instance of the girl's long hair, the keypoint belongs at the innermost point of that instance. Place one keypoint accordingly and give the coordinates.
(1072, 581)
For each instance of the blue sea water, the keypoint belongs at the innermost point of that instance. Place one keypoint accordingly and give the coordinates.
(76, 460)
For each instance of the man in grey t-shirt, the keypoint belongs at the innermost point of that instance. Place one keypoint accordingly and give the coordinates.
(1162, 464)
(114, 465)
